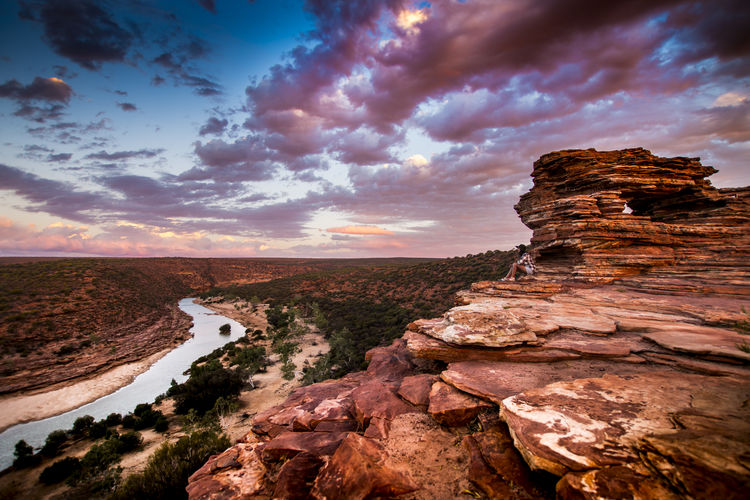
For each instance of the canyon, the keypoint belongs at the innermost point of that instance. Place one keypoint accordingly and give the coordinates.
(619, 370)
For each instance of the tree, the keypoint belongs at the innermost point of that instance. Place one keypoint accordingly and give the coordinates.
(225, 329)
(24, 454)
(54, 441)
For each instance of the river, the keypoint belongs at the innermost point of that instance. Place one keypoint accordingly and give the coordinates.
(144, 389)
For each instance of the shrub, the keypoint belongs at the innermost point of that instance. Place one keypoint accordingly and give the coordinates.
(287, 370)
(225, 329)
(129, 421)
(206, 384)
(24, 454)
(98, 430)
(60, 470)
(161, 424)
(54, 441)
(82, 424)
(113, 419)
(130, 441)
(167, 471)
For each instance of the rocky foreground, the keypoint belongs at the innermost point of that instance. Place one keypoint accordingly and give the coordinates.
(620, 370)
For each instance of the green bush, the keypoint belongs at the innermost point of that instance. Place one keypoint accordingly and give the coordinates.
(98, 430)
(113, 419)
(24, 455)
(82, 424)
(167, 471)
(54, 442)
(225, 329)
(161, 424)
(206, 384)
(60, 470)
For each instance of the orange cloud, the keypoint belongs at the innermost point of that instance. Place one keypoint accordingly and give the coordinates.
(369, 230)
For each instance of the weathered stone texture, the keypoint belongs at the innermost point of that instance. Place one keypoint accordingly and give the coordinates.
(679, 224)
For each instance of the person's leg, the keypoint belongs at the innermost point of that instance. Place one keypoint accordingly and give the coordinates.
(511, 272)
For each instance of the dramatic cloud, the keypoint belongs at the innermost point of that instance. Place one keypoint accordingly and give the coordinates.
(421, 117)
(81, 30)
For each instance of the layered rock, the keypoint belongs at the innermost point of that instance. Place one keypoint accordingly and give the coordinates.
(602, 215)
(618, 371)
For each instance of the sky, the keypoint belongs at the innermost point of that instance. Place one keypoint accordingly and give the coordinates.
(341, 128)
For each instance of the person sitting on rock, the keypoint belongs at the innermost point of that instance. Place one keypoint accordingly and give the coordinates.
(525, 264)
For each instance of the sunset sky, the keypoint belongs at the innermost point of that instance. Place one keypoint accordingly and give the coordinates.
(341, 128)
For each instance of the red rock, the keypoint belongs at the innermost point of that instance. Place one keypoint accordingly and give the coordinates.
(613, 420)
(416, 389)
(374, 400)
(710, 342)
(620, 481)
(358, 470)
(390, 363)
(484, 476)
(679, 224)
(288, 444)
(454, 408)
(237, 472)
(337, 426)
(496, 380)
(307, 406)
(497, 450)
(423, 346)
(296, 477)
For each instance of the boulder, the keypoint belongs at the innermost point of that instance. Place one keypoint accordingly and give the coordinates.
(289, 444)
(451, 407)
(656, 420)
(237, 472)
(296, 477)
(416, 389)
(374, 403)
(357, 470)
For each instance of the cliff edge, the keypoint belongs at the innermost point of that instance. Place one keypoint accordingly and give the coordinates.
(620, 370)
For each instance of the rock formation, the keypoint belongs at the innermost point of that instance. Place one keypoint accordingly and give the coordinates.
(620, 370)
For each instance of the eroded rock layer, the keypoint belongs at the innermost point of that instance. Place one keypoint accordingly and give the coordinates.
(602, 215)
(621, 370)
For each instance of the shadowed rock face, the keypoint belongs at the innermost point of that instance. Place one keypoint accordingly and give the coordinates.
(602, 215)
(615, 372)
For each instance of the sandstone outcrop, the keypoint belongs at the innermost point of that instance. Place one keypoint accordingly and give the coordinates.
(620, 370)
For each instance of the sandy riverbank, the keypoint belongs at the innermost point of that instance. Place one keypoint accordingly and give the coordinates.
(36, 405)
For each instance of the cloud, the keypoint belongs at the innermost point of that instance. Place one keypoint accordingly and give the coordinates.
(54, 197)
(209, 5)
(59, 157)
(124, 155)
(371, 230)
(81, 30)
(41, 89)
(214, 126)
(127, 106)
(177, 61)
